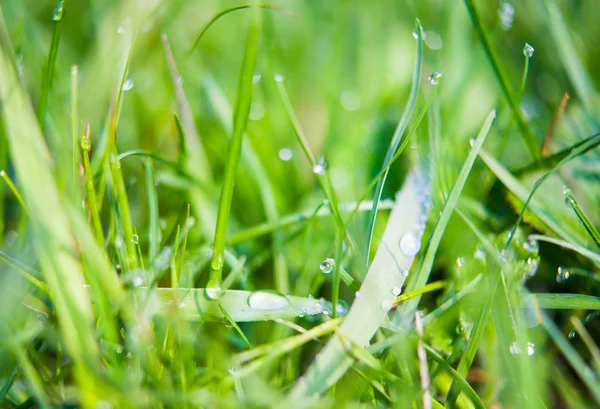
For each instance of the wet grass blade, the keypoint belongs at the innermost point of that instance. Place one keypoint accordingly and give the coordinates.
(396, 141)
(369, 310)
(241, 111)
(57, 17)
(513, 102)
(585, 221)
(448, 208)
(567, 301)
(567, 245)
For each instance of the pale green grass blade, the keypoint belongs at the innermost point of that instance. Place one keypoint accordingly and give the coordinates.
(51, 239)
(448, 208)
(241, 110)
(242, 306)
(567, 245)
(396, 141)
(375, 297)
(566, 301)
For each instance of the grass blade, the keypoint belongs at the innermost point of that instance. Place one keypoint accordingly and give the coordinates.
(242, 108)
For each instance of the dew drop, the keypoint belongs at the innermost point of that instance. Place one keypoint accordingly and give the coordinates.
(433, 40)
(320, 166)
(417, 32)
(531, 245)
(85, 143)
(135, 239)
(285, 154)
(116, 164)
(563, 275)
(409, 245)
(58, 12)
(213, 293)
(479, 253)
(121, 29)
(217, 262)
(357, 294)
(460, 262)
(256, 78)
(532, 266)
(514, 348)
(267, 301)
(434, 78)
(257, 111)
(396, 291)
(530, 348)
(118, 242)
(279, 77)
(127, 84)
(528, 50)
(341, 308)
(386, 305)
(506, 13)
(137, 280)
(459, 329)
(327, 265)
(181, 305)
(472, 142)
(350, 100)
(404, 273)
(572, 334)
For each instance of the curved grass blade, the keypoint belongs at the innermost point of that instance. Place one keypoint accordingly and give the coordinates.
(585, 221)
(513, 102)
(565, 244)
(241, 110)
(396, 140)
(369, 310)
(225, 12)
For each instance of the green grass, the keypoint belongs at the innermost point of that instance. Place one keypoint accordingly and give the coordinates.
(220, 204)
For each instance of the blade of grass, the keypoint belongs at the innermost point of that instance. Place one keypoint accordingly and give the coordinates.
(585, 221)
(448, 208)
(513, 102)
(396, 140)
(579, 366)
(566, 301)
(580, 329)
(369, 310)
(57, 17)
(153, 222)
(565, 244)
(241, 110)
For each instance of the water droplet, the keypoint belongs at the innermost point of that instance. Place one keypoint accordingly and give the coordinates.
(386, 305)
(217, 262)
(404, 273)
(116, 164)
(409, 245)
(118, 268)
(121, 28)
(257, 111)
(563, 275)
(531, 245)
(181, 305)
(118, 242)
(459, 329)
(479, 252)
(530, 348)
(327, 265)
(460, 261)
(341, 308)
(256, 78)
(514, 348)
(532, 266)
(572, 334)
(435, 78)
(135, 239)
(267, 301)
(417, 32)
(58, 12)
(137, 280)
(433, 40)
(285, 154)
(357, 294)
(127, 84)
(85, 143)
(506, 13)
(279, 77)
(472, 142)
(570, 201)
(213, 293)
(396, 291)
(320, 166)
(350, 100)
(528, 50)
(147, 27)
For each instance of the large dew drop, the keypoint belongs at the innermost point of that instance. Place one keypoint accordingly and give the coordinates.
(320, 166)
(267, 301)
(327, 265)
(409, 245)
(528, 50)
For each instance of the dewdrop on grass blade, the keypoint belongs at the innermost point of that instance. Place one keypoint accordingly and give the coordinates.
(435, 78)
(528, 50)
(285, 154)
(320, 166)
(127, 84)
(327, 265)
(409, 245)
(58, 12)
